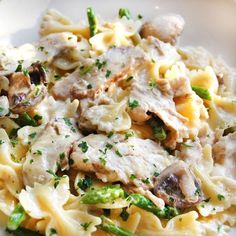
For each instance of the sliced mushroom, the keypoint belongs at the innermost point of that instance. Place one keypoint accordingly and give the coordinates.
(27, 90)
(166, 28)
(177, 186)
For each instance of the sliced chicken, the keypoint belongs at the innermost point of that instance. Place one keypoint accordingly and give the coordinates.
(130, 161)
(97, 73)
(224, 153)
(152, 100)
(166, 28)
(50, 150)
(45, 50)
(177, 186)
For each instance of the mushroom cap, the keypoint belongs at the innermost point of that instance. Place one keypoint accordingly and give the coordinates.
(166, 28)
(26, 91)
(177, 186)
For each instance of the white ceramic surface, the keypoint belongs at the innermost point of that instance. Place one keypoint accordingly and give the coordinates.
(209, 23)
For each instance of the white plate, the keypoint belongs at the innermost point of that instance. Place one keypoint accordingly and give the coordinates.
(209, 23)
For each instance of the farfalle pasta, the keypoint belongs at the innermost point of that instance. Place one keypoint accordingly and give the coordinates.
(109, 128)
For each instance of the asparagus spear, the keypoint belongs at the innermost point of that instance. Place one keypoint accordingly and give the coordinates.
(103, 195)
(144, 203)
(23, 232)
(92, 21)
(16, 218)
(25, 119)
(110, 193)
(108, 226)
(124, 12)
(201, 92)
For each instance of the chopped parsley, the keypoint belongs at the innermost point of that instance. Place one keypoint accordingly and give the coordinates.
(83, 146)
(100, 64)
(55, 177)
(19, 67)
(133, 176)
(85, 160)
(25, 72)
(140, 16)
(109, 146)
(128, 135)
(156, 174)
(32, 135)
(152, 84)
(108, 73)
(62, 156)
(102, 160)
(146, 181)
(38, 152)
(52, 232)
(68, 123)
(129, 78)
(14, 142)
(110, 134)
(1, 109)
(86, 225)
(207, 199)
(69, 38)
(31, 161)
(85, 70)
(220, 197)
(133, 104)
(41, 48)
(124, 214)
(1, 142)
(85, 183)
(57, 77)
(118, 153)
(202, 93)
(124, 12)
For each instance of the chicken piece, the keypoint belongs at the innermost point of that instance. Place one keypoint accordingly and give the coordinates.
(166, 28)
(151, 100)
(224, 153)
(4, 106)
(94, 76)
(130, 161)
(49, 151)
(177, 186)
(26, 91)
(45, 50)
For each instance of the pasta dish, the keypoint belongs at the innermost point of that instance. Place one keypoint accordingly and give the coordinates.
(111, 128)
